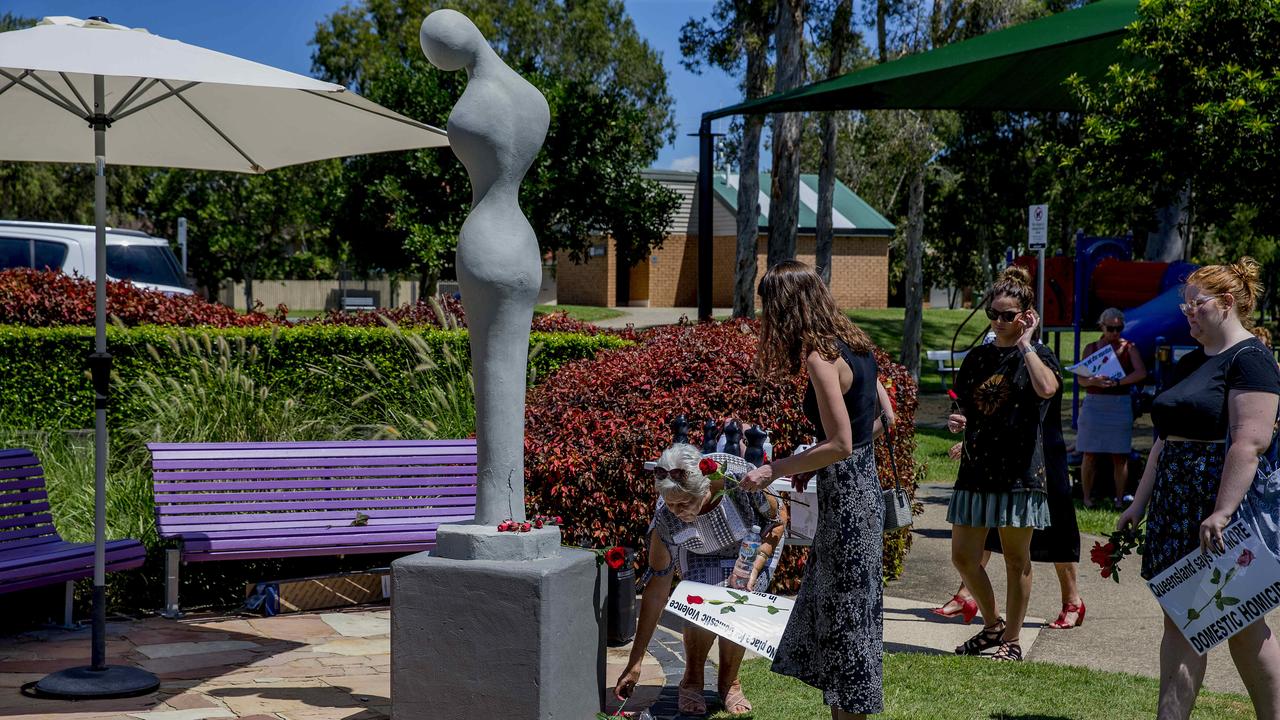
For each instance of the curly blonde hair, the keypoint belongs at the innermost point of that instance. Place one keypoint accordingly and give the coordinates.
(799, 317)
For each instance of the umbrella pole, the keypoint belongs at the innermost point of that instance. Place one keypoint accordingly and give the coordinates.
(99, 680)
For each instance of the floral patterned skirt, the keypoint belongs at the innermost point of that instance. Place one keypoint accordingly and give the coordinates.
(1185, 491)
(834, 639)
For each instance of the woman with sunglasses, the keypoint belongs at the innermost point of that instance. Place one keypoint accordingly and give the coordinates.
(699, 529)
(835, 636)
(1106, 416)
(1194, 482)
(1004, 390)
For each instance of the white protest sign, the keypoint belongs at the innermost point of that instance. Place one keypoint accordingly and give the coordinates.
(1103, 363)
(1038, 227)
(1212, 597)
(750, 619)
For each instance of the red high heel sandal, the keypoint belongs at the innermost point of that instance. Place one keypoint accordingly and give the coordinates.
(1062, 623)
(968, 609)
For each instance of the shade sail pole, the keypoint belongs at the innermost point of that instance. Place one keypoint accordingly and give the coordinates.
(706, 156)
(98, 679)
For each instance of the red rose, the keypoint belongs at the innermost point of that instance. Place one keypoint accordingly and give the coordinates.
(707, 466)
(615, 557)
(1101, 554)
(1246, 557)
(695, 600)
(952, 394)
(1106, 572)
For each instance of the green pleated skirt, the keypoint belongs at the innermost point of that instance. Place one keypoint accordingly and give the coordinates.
(1017, 508)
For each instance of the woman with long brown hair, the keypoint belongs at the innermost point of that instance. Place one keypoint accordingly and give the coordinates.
(834, 638)
(1004, 390)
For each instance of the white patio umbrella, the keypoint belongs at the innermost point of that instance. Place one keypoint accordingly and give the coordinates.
(166, 104)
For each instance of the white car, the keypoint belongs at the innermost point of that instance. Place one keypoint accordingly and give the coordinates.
(132, 255)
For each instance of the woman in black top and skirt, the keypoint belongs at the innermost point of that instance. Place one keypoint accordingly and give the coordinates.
(1193, 484)
(834, 638)
(1003, 391)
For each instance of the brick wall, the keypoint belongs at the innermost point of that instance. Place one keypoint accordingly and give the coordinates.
(859, 273)
(593, 282)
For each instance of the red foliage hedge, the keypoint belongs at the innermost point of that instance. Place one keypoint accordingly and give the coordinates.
(592, 425)
(44, 299)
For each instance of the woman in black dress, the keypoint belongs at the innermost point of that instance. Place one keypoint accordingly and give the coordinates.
(1058, 544)
(1193, 484)
(1003, 390)
(834, 638)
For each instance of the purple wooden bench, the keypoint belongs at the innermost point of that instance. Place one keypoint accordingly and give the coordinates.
(237, 501)
(32, 553)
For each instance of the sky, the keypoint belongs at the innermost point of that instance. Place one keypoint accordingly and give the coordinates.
(276, 32)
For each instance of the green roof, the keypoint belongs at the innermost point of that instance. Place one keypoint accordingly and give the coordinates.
(851, 215)
(1018, 68)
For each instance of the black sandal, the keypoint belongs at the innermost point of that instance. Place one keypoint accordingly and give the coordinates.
(1009, 651)
(986, 639)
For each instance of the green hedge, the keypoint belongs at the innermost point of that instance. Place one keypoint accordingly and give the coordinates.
(44, 381)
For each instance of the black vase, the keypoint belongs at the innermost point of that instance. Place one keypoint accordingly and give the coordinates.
(621, 611)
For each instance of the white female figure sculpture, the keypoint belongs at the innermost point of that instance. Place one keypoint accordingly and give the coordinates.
(496, 129)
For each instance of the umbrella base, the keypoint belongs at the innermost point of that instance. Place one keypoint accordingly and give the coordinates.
(85, 683)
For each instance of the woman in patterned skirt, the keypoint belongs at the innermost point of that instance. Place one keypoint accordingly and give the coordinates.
(834, 638)
(1003, 393)
(699, 530)
(1193, 482)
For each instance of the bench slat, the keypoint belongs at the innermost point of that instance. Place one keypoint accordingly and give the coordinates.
(412, 445)
(300, 453)
(336, 473)
(29, 509)
(277, 526)
(21, 474)
(24, 498)
(334, 505)
(61, 552)
(415, 494)
(24, 458)
(214, 543)
(24, 520)
(172, 525)
(425, 462)
(120, 555)
(9, 538)
(319, 550)
(218, 485)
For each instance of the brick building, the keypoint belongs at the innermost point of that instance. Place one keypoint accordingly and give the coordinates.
(859, 254)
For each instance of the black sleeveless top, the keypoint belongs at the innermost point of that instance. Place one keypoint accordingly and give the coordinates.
(861, 401)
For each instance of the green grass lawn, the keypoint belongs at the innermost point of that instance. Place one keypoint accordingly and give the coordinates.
(931, 451)
(942, 687)
(1101, 520)
(585, 313)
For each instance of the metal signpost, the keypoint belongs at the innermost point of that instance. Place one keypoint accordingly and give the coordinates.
(1037, 239)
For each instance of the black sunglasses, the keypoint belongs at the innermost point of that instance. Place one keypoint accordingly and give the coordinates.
(1113, 328)
(676, 474)
(1002, 315)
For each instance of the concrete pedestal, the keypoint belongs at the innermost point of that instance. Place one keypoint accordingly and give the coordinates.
(484, 639)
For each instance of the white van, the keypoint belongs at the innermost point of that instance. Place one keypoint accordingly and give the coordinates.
(132, 255)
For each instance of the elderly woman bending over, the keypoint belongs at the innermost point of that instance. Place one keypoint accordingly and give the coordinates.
(698, 529)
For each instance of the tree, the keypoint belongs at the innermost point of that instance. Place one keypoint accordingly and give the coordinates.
(739, 36)
(840, 38)
(1196, 117)
(610, 114)
(784, 192)
(244, 227)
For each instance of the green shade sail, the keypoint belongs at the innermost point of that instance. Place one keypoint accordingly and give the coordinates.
(1021, 68)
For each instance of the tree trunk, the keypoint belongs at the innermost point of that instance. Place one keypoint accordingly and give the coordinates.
(882, 19)
(1169, 242)
(744, 277)
(914, 276)
(755, 38)
(784, 193)
(841, 34)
